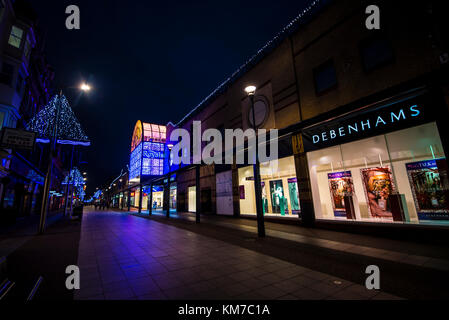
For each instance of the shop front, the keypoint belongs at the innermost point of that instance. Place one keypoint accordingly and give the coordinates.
(382, 163)
(158, 197)
(280, 197)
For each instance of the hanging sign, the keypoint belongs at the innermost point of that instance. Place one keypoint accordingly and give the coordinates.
(17, 139)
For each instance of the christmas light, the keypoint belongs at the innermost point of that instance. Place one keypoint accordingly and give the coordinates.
(69, 130)
(75, 178)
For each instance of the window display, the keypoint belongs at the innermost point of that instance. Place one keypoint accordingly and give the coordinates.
(279, 188)
(399, 176)
(340, 185)
(378, 186)
(294, 195)
(192, 199)
(173, 190)
(429, 194)
(278, 202)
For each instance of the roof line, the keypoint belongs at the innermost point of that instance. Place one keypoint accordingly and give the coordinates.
(289, 28)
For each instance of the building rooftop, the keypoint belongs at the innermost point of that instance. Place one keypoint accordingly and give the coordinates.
(301, 19)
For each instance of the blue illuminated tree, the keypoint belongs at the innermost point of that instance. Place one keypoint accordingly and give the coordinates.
(68, 128)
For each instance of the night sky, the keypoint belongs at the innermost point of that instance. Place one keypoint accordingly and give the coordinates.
(149, 60)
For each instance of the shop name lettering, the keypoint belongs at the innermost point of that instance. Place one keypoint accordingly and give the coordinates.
(368, 124)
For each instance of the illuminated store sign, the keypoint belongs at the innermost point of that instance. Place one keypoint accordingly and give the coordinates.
(376, 121)
(135, 162)
(147, 150)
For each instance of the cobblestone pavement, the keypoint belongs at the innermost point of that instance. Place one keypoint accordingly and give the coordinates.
(126, 257)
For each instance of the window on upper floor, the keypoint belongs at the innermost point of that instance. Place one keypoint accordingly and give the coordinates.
(325, 77)
(375, 52)
(7, 73)
(15, 38)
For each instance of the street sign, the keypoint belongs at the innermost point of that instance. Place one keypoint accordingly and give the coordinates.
(17, 139)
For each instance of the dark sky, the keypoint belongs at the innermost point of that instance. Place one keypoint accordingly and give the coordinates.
(150, 60)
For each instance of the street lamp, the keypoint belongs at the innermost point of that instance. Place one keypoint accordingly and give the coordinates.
(85, 87)
(53, 137)
(251, 91)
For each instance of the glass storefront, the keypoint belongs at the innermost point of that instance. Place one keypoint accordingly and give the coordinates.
(191, 191)
(279, 188)
(399, 176)
(158, 196)
(172, 200)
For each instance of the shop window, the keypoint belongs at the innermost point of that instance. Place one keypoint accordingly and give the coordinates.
(192, 199)
(396, 177)
(15, 38)
(325, 77)
(158, 195)
(376, 52)
(7, 73)
(279, 188)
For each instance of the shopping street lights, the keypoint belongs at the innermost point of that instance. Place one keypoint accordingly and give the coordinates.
(53, 139)
(84, 87)
(251, 91)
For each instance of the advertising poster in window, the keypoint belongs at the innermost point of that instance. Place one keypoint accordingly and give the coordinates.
(378, 185)
(242, 192)
(294, 195)
(264, 198)
(278, 201)
(340, 185)
(428, 188)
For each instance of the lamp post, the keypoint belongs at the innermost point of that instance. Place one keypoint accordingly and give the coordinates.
(251, 91)
(85, 88)
(46, 191)
(53, 141)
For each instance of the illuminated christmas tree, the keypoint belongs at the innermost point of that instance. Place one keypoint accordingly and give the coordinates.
(68, 129)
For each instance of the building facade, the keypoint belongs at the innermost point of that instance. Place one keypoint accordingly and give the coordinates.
(25, 88)
(361, 117)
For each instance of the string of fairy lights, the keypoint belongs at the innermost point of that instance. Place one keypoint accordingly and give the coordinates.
(69, 130)
(258, 55)
(76, 179)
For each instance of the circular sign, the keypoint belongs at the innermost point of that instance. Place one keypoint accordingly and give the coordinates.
(261, 113)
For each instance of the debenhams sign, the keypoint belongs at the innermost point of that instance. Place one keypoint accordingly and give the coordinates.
(360, 125)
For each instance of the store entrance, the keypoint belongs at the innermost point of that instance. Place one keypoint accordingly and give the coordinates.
(158, 196)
